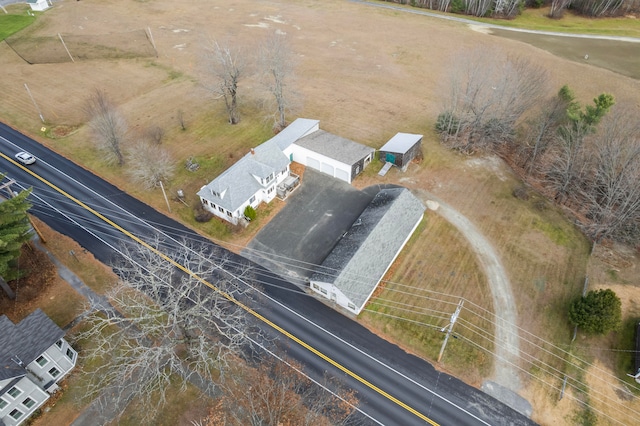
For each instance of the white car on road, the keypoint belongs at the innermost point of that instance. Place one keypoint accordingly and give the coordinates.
(25, 158)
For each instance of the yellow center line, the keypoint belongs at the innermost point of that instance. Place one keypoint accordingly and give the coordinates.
(227, 296)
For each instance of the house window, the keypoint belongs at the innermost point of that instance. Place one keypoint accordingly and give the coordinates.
(16, 414)
(229, 213)
(252, 199)
(270, 190)
(70, 353)
(221, 209)
(352, 306)
(28, 402)
(42, 361)
(54, 372)
(316, 286)
(323, 291)
(59, 344)
(14, 392)
(3, 404)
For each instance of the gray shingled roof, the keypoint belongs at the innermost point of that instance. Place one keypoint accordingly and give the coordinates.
(334, 147)
(401, 142)
(27, 340)
(237, 184)
(359, 260)
(293, 132)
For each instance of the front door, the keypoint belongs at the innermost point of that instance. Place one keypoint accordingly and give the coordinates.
(390, 158)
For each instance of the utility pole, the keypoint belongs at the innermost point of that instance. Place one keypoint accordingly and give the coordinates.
(454, 317)
(165, 196)
(34, 102)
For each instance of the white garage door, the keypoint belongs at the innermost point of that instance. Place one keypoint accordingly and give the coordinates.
(313, 163)
(327, 168)
(342, 175)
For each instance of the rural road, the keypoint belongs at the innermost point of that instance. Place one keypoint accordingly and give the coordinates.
(507, 341)
(451, 17)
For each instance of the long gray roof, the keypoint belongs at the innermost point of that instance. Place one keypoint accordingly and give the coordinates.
(359, 260)
(401, 142)
(293, 132)
(334, 147)
(237, 184)
(26, 340)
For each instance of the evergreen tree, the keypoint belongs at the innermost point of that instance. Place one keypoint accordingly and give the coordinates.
(598, 312)
(15, 230)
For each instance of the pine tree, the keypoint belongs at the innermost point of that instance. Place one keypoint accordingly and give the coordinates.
(15, 230)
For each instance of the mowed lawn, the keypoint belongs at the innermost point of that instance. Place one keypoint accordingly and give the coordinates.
(361, 87)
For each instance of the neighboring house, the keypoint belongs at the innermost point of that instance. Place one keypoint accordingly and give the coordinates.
(336, 156)
(352, 271)
(256, 177)
(34, 357)
(401, 150)
(38, 5)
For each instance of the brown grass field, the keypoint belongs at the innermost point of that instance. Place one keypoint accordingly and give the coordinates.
(366, 74)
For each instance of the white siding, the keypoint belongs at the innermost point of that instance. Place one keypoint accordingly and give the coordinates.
(319, 162)
(28, 390)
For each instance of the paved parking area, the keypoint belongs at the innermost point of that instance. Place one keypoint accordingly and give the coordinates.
(308, 227)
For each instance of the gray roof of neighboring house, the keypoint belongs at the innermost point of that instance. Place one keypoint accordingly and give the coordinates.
(359, 260)
(26, 340)
(401, 143)
(335, 147)
(237, 184)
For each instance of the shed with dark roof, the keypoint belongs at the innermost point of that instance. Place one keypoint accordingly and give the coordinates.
(353, 269)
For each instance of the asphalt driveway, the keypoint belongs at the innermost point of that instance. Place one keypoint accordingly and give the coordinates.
(316, 215)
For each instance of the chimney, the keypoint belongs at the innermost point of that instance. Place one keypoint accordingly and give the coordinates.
(253, 152)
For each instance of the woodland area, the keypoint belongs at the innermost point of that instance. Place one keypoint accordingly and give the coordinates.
(584, 158)
(510, 8)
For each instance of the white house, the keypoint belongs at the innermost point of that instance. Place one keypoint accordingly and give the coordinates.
(38, 5)
(256, 176)
(353, 269)
(34, 357)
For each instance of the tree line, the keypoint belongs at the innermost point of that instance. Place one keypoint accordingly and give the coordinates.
(510, 8)
(585, 158)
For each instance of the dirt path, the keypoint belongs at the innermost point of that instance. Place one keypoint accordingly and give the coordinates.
(507, 341)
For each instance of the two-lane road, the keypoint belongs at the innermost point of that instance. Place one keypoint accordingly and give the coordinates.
(395, 388)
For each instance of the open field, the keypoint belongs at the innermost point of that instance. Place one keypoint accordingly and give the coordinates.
(360, 86)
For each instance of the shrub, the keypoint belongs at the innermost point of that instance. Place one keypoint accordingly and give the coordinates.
(598, 312)
(250, 213)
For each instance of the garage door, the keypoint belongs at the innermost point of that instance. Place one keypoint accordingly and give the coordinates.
(313, 163)
(327, 168)
(342, 175)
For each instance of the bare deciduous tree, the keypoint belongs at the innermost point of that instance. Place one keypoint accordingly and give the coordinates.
(276, 393)
(611, 195)
(168, 326)
(543, 129)
(108, 126)
(489, 95)
(155, 134)
(149, 164)
(276, 63)
(227, 65)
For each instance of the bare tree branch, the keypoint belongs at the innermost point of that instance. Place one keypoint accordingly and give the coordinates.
(276, 63)
(149, 164)
(167, 327)
(227, 65)
(108, 126)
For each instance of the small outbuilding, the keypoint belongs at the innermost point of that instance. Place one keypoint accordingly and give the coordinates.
(401, 150)
(38, 5)
(353, 269)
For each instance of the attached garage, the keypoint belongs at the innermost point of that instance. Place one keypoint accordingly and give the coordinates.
(330, 154)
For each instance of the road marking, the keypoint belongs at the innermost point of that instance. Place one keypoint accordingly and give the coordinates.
(226, 295)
